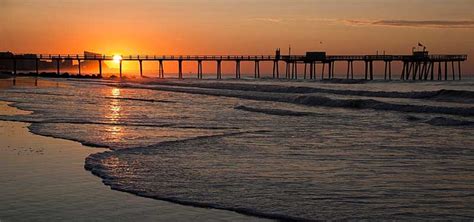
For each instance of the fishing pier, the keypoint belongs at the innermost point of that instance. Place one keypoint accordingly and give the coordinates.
(418, 66)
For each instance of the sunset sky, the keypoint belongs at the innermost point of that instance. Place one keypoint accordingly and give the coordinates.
(237, 26)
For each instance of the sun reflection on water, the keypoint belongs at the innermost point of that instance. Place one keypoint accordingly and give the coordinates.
(114, 111)
(115, 131)
(115, 92)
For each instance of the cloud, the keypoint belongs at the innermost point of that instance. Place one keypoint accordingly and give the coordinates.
(367, 22)
(271, 20)
(415, 23)
(289, 20)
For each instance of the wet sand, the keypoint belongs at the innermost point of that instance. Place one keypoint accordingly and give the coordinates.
(43, 179)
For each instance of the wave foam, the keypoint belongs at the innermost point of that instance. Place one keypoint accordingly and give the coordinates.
(276, 112)
(443, 121)
(316, 100)
(443, 94)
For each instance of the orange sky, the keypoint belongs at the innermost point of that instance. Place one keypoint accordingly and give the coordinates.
(236, 27)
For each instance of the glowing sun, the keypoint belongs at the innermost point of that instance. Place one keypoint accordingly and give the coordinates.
(117, 58)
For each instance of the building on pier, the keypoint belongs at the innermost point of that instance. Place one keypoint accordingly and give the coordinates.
(31, 62)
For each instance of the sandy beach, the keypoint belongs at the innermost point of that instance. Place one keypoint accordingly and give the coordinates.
(43, 179)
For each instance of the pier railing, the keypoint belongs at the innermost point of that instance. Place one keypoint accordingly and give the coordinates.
(142, 57)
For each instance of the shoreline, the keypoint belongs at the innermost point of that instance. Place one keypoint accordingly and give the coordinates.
(46, 181)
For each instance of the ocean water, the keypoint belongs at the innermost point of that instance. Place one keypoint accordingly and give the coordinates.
(276, 149)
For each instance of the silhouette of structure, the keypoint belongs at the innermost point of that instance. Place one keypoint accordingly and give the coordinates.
(33, 62)
(420, 65)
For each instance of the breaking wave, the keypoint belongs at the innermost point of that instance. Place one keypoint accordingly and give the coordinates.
(443, 94)
(142, 100)
(379, 105)
(316, 100)
(443, 121)
(276, 112)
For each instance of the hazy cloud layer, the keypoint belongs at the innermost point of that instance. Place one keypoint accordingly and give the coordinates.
(366, 22)
(415, 23)
(272, 20)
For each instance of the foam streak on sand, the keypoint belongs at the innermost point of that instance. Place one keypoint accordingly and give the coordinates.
(304, 156)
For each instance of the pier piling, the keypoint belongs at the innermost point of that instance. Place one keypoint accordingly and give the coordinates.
(79, 66)
(453, 72)
(199, 72)
(100, 67)
(440, 71)
(141, 67)
(330, 70)
(348, 69)
(459, 70)
(237, 69)
(120, 68)
(404, 66)
(58, 64)
(161, 71)
(432, 71)
(180, 69)
(219, 69)
(333, 69)
(322, 71)
(305, 67)
(366, 70)
(445, 70)
(276, 71)
(295, 71)
(257, 69)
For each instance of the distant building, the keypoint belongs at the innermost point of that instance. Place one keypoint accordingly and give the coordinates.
(29, 64)
(420, 54)
(316, 56)
(6, 64)
(91, 55)
(92, 65)
(26, 63)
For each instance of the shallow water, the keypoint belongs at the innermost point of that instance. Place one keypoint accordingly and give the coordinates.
(284, 155)
(43, 179)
